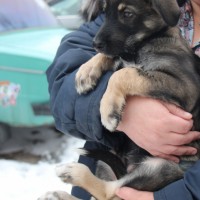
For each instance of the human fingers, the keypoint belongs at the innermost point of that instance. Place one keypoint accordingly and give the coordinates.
(171, 145)
(173, 153)
(167, 157)
(179, 125)
(178, 150)
(175, 110)
(182, 139)
(174, 146)
(128, 194)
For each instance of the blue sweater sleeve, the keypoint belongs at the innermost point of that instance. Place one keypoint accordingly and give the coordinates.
(187, 188)
(75, 114)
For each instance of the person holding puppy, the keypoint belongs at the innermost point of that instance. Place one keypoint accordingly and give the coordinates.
(160, 128)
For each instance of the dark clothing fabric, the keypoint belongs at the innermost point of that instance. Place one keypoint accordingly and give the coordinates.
(187, 188)
(78, 115)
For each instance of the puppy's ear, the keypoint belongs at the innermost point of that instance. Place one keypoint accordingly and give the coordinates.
(90, 9)
(168, 9)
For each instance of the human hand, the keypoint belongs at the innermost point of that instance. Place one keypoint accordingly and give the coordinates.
(160, 128)
(130, 194)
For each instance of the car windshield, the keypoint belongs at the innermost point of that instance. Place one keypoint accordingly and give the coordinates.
(19, 14)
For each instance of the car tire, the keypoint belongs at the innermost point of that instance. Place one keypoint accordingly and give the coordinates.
(4, 133)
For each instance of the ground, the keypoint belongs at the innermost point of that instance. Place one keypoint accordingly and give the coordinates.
(27, 168)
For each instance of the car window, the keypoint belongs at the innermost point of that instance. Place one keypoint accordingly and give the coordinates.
(64, 7)
(66, 12)
(18, 14)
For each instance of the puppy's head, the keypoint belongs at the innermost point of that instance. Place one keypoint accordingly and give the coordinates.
(128, 22)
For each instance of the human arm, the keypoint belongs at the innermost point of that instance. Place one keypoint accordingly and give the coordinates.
(183, 189)
(78, 114)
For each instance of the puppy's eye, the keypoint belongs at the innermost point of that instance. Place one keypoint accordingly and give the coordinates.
(128, 14)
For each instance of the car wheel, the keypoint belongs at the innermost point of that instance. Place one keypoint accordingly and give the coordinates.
(4, 133)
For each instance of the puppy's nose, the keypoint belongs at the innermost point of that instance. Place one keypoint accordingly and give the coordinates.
(98, 45)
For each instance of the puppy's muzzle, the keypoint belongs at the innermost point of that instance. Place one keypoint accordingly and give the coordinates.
(99, 45)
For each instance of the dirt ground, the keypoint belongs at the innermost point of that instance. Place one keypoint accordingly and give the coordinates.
(31, 145)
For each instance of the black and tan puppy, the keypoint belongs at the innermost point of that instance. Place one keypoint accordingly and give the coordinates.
(140, 42)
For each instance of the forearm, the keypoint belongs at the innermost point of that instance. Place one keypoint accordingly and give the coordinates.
(79, 114)
(76, 114)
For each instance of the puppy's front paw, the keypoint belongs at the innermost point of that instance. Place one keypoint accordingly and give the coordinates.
(87, 77)
(56, 195)
(74, 173)
(111, 108)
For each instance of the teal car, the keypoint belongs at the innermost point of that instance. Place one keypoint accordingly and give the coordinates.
(23, 62)
(27, 48)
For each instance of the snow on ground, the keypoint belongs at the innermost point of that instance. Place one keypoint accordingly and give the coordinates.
(24, 181)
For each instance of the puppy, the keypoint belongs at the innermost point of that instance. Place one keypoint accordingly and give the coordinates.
(139, 41)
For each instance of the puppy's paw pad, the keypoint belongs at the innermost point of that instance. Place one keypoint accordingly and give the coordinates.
(84, 85)
(71, 173)
(111, 110)
(110, 120)
(86, 79)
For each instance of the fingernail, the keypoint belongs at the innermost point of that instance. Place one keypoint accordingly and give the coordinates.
(194, 151)
(187, 114)
(176, 161)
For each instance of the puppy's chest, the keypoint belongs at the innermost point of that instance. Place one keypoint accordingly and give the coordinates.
(146, 55)
(141, 59)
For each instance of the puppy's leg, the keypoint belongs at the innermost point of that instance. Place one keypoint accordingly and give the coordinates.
(79, 175)
(127, 81)
(57, 195)
(134, 81)
(90, 72)
(152, 174)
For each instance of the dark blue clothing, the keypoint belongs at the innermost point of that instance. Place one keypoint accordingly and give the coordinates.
(78, 115)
